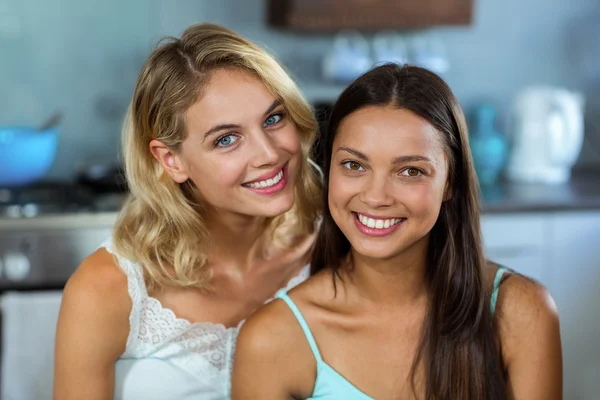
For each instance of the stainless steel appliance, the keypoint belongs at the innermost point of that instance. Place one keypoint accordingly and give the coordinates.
(46, 230)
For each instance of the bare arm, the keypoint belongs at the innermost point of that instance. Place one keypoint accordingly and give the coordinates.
(92, 330)
(530, 336)
(273, 359)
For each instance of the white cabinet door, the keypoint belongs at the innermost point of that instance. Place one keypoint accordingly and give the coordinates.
(517, 241)
(575, 286)
(562, 250)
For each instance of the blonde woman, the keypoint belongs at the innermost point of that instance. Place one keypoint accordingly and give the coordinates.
(221, 216)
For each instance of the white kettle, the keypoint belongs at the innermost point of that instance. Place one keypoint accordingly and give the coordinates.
(546, 132)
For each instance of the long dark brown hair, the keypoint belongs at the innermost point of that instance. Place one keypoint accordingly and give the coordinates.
(459, 347)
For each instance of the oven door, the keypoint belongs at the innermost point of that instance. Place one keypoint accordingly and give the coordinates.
(37, 256)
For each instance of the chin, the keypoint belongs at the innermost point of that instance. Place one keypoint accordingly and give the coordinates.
(377, 252)
(277, 206)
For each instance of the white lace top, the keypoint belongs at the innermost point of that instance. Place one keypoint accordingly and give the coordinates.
(171, 358)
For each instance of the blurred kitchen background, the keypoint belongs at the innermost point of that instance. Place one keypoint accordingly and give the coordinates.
(527, 74)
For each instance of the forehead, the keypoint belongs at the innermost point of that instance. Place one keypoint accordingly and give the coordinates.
(388, 131)
(231, 96)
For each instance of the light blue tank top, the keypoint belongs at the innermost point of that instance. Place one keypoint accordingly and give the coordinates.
(330, 385)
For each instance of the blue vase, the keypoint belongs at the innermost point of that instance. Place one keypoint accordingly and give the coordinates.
(488, 146)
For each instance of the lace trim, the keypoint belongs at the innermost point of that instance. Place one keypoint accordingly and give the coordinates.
(153, 327)
(214, 342)
(136, 287)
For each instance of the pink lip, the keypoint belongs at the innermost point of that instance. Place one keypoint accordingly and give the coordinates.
(373, 231)
(268, 175)
(278, 187)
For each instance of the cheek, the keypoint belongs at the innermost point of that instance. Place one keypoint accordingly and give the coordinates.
(341, 190)
(337, 200)
(288, 139)
(221, 173)
(424, 200)
(335, 189)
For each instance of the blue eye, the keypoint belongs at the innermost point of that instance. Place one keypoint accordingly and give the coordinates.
(272, 120)
(226, 141)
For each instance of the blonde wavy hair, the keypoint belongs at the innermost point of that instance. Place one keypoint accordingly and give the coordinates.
(160, 225)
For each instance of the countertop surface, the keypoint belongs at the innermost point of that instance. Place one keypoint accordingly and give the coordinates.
(582, 192)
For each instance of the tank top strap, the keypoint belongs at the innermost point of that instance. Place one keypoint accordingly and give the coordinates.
(497, 280)
(282, 294)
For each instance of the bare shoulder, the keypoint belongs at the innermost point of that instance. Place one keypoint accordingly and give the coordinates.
(267, 342)
(529, 331)
(525, 309)
(98, 283)
(92, 329)
(269, 332)
(520, 296)
(96, 304)
(523, 301)
(274, 328)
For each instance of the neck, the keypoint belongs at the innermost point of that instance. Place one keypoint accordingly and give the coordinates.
(400, 280)
(235, 240)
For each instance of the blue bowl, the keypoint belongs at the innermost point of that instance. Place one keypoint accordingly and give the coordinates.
(26, 154)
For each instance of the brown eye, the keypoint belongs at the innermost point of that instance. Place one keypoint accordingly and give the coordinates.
(352, 166)
(412, 172)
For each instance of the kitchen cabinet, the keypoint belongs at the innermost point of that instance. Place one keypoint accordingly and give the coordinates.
(332, 15)
(575, 286)
(518, 242)
(561, 250)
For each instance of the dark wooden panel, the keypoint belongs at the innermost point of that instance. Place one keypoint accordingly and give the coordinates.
(331, 15)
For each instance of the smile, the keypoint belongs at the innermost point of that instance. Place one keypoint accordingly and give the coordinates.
(376, 227)
(378, 223)
(271, 183)
(267, 182)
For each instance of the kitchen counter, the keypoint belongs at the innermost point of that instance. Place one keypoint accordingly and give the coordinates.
(70, 221)
(581, 193)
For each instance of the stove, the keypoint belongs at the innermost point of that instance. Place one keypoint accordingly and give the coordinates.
(46, 230)
(53, 198)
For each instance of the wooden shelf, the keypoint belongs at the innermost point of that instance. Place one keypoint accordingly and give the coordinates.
(333, 15)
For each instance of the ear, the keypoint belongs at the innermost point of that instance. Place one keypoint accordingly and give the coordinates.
(170, 161)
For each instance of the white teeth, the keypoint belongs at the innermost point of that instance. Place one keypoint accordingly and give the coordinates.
(378, 223)
(267, 183)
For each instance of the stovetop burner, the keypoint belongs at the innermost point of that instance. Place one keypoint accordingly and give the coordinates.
(52, 198)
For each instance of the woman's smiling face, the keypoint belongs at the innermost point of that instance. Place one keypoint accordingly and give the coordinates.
(242, 151)
(387, 180)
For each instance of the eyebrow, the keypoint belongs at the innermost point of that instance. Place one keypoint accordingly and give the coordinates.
(273, 106)
(397, 160)
(222, 127)
(218, 128)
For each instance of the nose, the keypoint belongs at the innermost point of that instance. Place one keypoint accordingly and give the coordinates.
(376, 193)
(265, 150)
